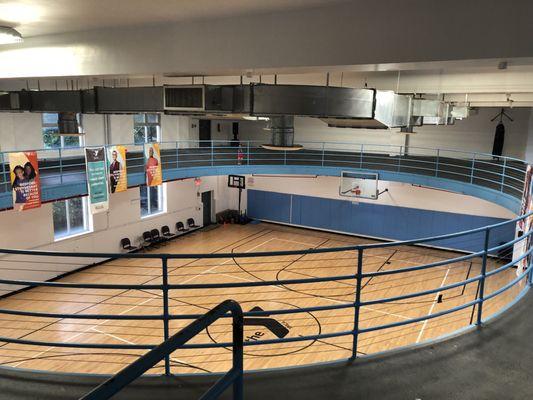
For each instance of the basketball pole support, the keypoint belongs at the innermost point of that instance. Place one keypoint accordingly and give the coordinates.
(359, 278)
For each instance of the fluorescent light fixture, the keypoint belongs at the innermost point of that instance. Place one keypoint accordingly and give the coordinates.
(9, 35)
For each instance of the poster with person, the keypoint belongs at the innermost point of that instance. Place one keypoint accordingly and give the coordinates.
(97, 179)
(25, 181)
(152, 163)
(116, 165)
(524, 225)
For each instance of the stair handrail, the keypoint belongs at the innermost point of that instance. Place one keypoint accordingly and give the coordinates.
(133, 371)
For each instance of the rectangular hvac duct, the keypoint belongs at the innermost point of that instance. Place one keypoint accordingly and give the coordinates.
(55, 101)
(213, 99)
(387, 110)
(129, 100)
(88, 101)
(9, 101)
(460, 112)
(188, 98)
(433, 112)
(311, 101)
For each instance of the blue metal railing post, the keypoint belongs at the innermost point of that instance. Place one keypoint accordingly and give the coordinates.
(212, 154)
(361, 157)
(472, 168)
(61, 166)
(530, 276)
(483, 276)
(177, 154)
(248, 152)
(357, 304)
(400, 159)
(323, 149)
(5, 179)
(238, 355)
(166, 313)
(284, 157)
(503, 174)
(437, 163)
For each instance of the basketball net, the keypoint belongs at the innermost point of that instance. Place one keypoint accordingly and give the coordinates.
(356, 192)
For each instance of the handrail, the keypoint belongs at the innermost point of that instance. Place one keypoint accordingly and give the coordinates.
(234, 376)
(503, 177)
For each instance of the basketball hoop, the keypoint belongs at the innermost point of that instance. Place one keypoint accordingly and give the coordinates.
(359, 185)
(356, 191)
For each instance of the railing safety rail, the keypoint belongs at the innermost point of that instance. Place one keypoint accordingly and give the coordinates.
(233, 377)
(357, 304)
(503, 174)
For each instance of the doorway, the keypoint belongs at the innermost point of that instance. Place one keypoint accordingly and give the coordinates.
(206, 201)
(204, 129)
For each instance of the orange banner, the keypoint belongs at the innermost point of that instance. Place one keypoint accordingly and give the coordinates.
(24, 171)
(152, 162)
(116, 160)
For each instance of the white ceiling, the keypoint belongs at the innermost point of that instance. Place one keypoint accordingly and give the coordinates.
(40, 17)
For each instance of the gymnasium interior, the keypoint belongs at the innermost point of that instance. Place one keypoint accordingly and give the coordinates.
(244, 199)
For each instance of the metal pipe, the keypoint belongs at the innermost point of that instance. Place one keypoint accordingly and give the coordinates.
(483, 277)
(357, 306)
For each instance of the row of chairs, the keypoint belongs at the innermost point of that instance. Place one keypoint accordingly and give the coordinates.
(154, 238)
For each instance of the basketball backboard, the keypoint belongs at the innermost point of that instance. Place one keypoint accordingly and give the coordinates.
(237, 181)
(359, 184)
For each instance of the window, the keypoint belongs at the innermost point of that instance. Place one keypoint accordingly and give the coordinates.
(152, 200)
(146, 128)
(51, 137)
(71, 217)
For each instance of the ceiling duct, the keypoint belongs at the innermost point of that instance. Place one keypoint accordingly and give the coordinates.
(282, 131)
(460, 112)
(67, 123)
(9, 101)
(432, 112)
(54, 101)
(128, 100)
(387, 110)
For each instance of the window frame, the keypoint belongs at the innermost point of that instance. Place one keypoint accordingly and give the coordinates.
(87, 220)
(145, 124)
(162, 200)
(47, 125)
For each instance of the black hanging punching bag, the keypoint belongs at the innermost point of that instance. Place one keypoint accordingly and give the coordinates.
(499, 137)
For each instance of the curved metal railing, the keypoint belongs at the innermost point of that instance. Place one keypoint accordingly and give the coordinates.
(502, 174)
(367, 306)
(353, 304)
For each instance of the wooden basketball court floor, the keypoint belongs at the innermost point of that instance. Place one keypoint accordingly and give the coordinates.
(247, 238)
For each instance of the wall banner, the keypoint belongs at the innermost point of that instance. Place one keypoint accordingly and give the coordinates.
(152, 163)
(116, 165)
(25, 181)
(97, 179)
(525, 225)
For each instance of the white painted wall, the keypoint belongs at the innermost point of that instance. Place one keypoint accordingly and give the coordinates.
(19, 131)
(34, 228)
(529, 146)
(23, 131)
